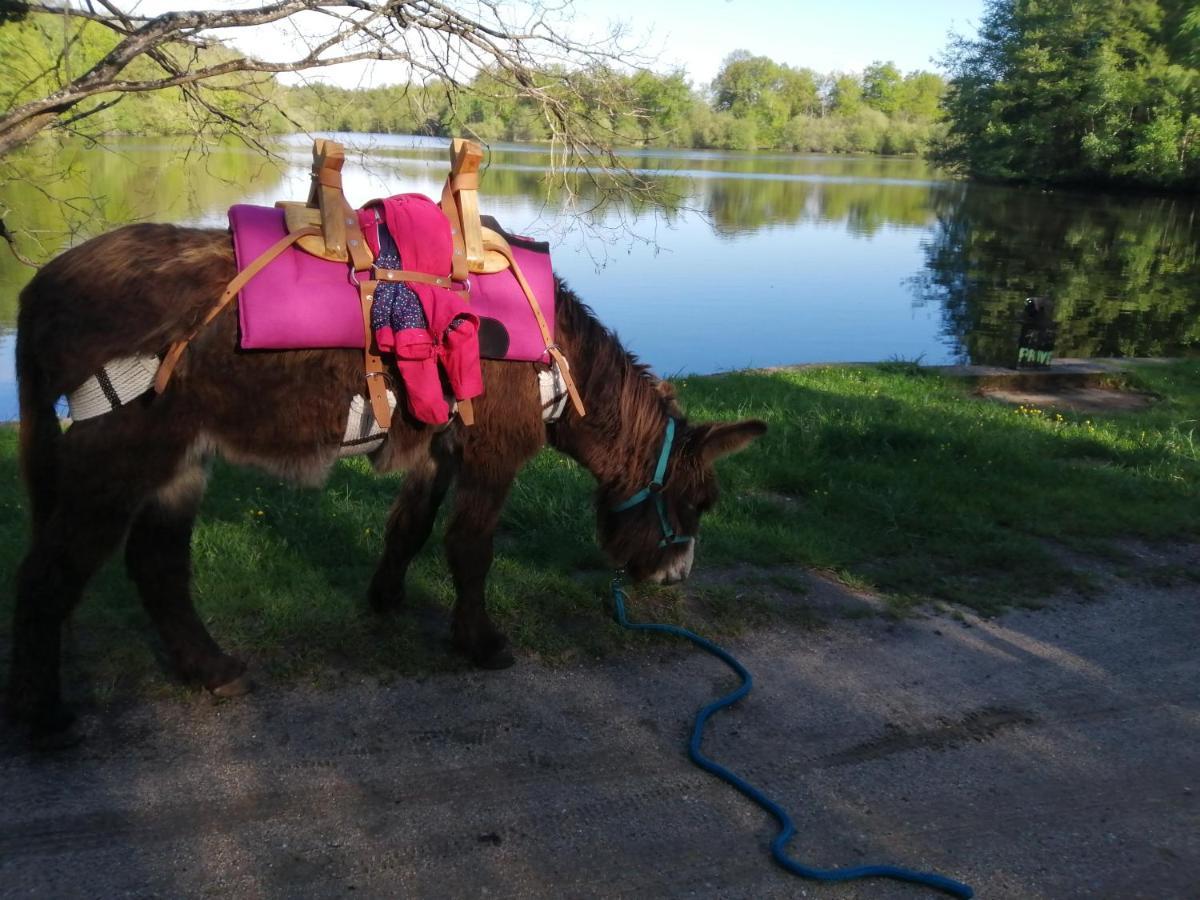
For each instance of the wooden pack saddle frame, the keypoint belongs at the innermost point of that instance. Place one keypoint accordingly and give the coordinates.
(327, 226)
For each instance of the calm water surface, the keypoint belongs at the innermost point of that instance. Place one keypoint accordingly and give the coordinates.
(756, 259)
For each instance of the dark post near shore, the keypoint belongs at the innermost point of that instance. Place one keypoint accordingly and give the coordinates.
(1035, 346)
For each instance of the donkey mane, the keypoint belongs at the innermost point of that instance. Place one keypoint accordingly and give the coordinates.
(627, 404)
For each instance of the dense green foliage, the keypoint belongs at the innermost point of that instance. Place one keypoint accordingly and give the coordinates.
(41, 53)
(753, 103)
(1079, 90)
(13, 11)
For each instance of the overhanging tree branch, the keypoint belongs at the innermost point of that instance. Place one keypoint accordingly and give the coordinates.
(454, 43)
(521, 46)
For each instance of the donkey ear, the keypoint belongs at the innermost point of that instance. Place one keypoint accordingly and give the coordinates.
(730, 438)
(666, 390)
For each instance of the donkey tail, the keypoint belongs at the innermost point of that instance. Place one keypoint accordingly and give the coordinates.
(40, 433)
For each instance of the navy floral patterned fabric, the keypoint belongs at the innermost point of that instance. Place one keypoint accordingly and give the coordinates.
(395, 305)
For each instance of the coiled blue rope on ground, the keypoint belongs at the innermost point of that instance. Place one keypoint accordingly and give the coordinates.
(787, 828)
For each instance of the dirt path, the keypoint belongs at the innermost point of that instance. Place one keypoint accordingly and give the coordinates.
(1047, 754)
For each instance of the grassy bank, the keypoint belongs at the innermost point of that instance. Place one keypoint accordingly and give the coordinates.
(893, 479)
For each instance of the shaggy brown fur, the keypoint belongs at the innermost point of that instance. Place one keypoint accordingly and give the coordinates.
(138, 473)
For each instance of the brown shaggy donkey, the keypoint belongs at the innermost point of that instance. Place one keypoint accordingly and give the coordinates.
(137, 474)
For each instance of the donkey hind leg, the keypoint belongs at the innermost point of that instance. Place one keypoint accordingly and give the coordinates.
(84, 527)
(479, 498)
(158, 559)
(411, 521)
(66, 553)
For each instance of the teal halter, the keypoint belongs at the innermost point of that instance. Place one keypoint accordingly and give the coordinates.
(654, 490)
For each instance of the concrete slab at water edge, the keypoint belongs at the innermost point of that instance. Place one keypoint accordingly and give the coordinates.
(1065, 369)
(1075, 399)
(1077, 385)
(1081, 385)
(1043, 754)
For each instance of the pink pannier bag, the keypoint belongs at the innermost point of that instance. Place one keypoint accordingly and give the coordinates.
(299, 301)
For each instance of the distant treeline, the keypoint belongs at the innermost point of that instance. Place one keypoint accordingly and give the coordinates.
(753, 103)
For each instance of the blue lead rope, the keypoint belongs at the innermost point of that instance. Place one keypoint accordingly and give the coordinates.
(787, 827)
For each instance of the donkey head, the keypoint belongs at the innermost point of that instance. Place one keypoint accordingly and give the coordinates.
(652, 533)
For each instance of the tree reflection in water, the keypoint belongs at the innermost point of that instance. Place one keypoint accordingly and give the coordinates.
(1122, 270)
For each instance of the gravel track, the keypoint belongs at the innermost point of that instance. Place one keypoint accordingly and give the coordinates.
(1049, 754)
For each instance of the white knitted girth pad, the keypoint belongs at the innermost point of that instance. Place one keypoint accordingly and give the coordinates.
(112, 387)
(553, 389)
(123, 380)
(363, 433)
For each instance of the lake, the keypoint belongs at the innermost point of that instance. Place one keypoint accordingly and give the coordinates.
(755, 259)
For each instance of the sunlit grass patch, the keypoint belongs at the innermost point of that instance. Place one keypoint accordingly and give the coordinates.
(928, 491)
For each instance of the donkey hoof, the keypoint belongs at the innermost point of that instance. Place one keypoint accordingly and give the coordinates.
(384, 602)
(499, 657)
(56, 740)
(54, 730)
(239, 687)
(488, 651)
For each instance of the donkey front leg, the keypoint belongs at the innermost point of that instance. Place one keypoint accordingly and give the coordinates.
(411, 521)
(479, 498)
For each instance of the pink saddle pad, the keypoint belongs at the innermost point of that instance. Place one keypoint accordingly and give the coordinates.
(301, 302)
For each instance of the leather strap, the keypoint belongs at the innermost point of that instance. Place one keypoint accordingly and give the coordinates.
(422, 277)
(466, 411)
(458, 261)
(500, 245)
(173, 355)
(361, 257)
(372, 362)
(565, 368)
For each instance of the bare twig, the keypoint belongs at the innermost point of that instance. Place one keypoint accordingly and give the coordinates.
(11, 240)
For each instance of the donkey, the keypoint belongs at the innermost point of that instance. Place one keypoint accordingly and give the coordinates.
(138, 473)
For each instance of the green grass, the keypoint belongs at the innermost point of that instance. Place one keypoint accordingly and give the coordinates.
(897, 479)
(917, 488)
